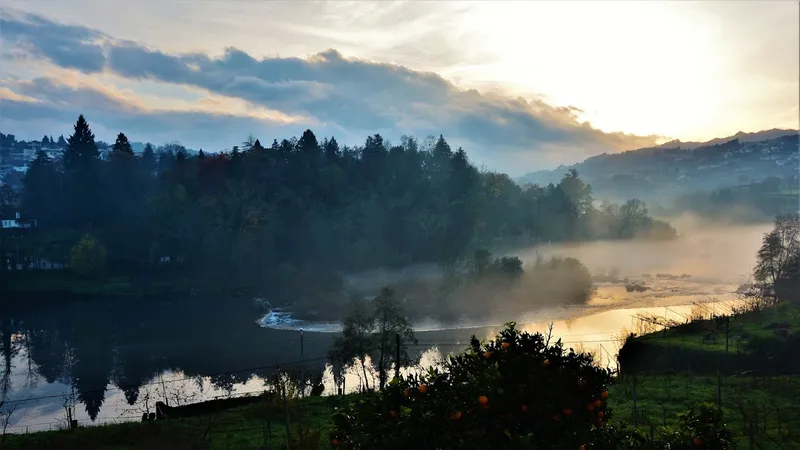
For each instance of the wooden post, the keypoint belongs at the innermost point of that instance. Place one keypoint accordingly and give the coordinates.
(302, 368)
(727, 331)
(286, 409)
(397, 356)
(634, 402)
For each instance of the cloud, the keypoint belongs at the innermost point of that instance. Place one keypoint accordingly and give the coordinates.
(43, 105)
(356, 95)
(65, 45)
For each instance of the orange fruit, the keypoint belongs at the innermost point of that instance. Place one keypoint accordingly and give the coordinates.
(598, 403)
(600, 423)
(405, 393)
(582, 447)
(456, 416)
(601, 414)
(590, 407)
(604, 395)
(487, 355)
(393, 413)
(483, 400)
(556, 417)
(423, 388)
(335, 442)
(567, 411)
(523, 408)
(506, 345)
(546, 363)
(697, 441)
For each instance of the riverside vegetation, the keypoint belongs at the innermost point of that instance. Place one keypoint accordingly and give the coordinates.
(283, 221)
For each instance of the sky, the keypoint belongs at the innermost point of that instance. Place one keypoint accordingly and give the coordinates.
(520, 85)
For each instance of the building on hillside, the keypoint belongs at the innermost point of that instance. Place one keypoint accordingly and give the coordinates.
(53, 152)
(17, 222)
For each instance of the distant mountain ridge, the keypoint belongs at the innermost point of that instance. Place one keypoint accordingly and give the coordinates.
(660, 173)
(741, 136)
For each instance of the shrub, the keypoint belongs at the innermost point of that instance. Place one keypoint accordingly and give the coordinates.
(516, 391)
(88, 257)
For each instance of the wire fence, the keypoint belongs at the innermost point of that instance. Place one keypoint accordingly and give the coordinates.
(760, 409)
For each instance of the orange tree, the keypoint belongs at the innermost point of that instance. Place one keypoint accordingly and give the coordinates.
(513, 392)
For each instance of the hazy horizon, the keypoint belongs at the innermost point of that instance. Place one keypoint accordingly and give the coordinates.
(521, 86)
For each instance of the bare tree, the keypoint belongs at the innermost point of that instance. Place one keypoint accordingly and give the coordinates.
(779, 251)
(6, 411)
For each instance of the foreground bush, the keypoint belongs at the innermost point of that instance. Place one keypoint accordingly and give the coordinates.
(514, 392)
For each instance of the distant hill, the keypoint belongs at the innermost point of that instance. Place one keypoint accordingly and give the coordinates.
(659, 174)
(741, 136)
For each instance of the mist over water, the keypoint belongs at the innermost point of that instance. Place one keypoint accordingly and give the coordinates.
(189, 349)
(706, 263)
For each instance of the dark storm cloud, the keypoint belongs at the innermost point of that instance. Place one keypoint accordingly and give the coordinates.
(57, 105)
(68, 46)
(358, 95)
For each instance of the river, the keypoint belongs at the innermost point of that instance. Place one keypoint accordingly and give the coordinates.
(114, 362)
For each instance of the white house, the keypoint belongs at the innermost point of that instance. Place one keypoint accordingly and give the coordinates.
(18, 222)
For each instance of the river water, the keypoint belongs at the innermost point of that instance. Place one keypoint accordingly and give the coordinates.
(115, 361)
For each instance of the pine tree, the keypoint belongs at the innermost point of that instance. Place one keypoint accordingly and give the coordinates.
(308, 143)
(122, 145)
(257, 147)
(331, 149)
(82, 180)
(62, 143)
(40, 190)
(149, 162)
(45, 141)
(81, 148)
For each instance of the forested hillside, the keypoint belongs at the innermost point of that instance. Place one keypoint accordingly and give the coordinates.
(660, 174)
(276, 216)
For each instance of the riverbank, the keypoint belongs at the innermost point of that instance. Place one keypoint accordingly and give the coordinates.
(261, 424)
(764, 341)
(64, 282)
(761, 409)
(745, 363)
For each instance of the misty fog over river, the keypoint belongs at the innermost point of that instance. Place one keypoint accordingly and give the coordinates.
(117, 362)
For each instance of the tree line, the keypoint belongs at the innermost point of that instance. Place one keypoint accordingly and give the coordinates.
(276, 216)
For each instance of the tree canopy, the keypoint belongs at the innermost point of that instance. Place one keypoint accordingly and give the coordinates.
(260, 217)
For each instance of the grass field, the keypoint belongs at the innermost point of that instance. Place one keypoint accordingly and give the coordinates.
(737, 331)
(254, 426)
(763, 407)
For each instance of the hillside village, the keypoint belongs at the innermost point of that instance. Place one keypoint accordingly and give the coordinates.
(661, 172)
(15, 156)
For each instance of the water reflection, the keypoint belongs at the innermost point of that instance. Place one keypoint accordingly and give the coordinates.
(116, 370)
(114, 360)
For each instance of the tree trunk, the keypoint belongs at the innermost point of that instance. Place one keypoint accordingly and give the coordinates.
(364, 371)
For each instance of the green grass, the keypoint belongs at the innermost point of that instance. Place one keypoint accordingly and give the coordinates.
(237, 428)
(771, 403)
(742, 328)
(66, 282)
